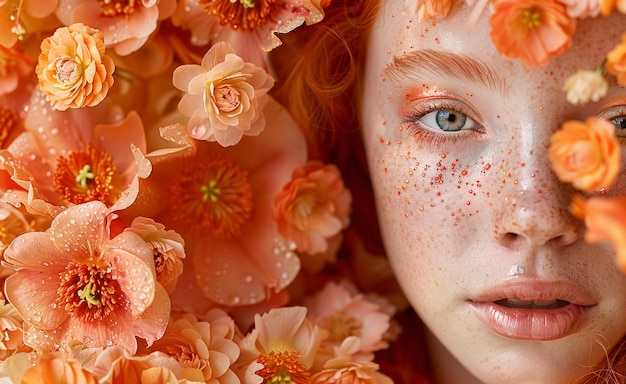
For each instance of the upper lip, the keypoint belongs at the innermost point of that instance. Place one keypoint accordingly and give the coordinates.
(539, 290)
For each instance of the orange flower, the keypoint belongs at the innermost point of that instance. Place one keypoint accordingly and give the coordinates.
(115, 365)
(313, 207)
(427, 9)
(585, 86)
(605, 219)
(25, 18)
(616, 61)
(73, 70)
(56, 368)
(531, 30)
(607, 6)
(586, 154)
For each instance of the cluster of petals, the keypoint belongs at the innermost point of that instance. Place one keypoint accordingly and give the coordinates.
(586, 154)
(76, 282)
(313, 207)
(605, 220)
(616, 62)
(585, 86)
(11, 330)
(56, 368)
(427, 9)
(128, 26)
(14, 68)
(73, 69)
(531, 30)
(580, 9)
(224, 96)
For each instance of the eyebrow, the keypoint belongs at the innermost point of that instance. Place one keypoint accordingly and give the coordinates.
(427, 65)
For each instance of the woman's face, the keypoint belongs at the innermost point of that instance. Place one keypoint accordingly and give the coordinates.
(471, 213)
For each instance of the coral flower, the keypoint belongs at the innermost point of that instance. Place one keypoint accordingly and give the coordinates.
(282, 345)
(531, 30)
(14, 68)
(427, 9)
(580, 9)
(605, 219)
(616, 61)
(115, 365)
(73, 70)
(224, 97)
(56, 368)
(313, 207)
(128, 24)
(607, 6)
(586, 154)
(585, 86)
(74, 282)
(11, 330)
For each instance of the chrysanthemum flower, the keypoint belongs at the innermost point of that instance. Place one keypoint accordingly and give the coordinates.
(75, 282)
(586, 154)
(224, 97)
(585, 86)
(531, 30)
(616, 61)
(116, 365)
(73, 70)
(56, 368)
(605, 220)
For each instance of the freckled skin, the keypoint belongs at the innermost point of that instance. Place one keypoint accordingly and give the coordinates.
(457, 216)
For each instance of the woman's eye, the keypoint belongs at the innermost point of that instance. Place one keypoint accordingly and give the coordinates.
(620, 125)
(447, 120)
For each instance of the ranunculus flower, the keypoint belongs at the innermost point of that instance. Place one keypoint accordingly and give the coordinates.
(616, 61)
(531, 30)
(427, 9)
(585, 86)
(586, 154)
(224, 97)
(313, 207)
(605, 220)
(56, 368)
(76, 282)
(116, 365)
(168, 248)
(73, 70)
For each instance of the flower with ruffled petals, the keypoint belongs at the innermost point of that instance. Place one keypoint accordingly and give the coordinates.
(56, 368)
(586, 154)
(313, 207)
(73, 70)
(224, 96)
(282, 344)
(128, 24)
(116, 365)
(16, 221)
(531, 30)
(75, 282)
(427, 9)
(11, 330)
(616, 61)
(207, 347)
(168, 248)
(585, 86)
(605, 220)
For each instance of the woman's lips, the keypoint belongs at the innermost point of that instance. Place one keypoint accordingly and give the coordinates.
(533, 310)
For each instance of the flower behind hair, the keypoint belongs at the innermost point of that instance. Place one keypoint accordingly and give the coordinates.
(73, 70)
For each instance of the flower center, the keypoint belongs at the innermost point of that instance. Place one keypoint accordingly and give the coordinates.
(343, 325)
(67, 71)
(89, 292)
(227, 98)
(245, 14)
(212, 198)
(85, 176)
(282, 368)
(532, 19)
(9, 121)
(118, 7)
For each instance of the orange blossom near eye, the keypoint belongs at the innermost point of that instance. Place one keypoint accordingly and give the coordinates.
(616, 61)
(586, 154)
(56, 368)
(73, 70)
(531, 30)
(224, 97)
(75, 282)
(605, 219)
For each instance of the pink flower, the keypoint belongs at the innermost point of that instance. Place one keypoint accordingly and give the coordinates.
(127, 26)
(224, 97)
(585, 86)
(75, 282)
(168, 248)
(115, 365)
(313, 207)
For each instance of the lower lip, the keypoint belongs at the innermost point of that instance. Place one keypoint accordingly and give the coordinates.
(531, 324)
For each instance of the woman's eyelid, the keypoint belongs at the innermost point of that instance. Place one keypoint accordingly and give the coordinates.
(420, 107)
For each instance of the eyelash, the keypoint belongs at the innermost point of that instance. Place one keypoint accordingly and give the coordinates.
(613, 113)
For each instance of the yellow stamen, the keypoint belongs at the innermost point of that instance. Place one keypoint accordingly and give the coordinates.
(532, 19)
(283, 368)
(118, 7)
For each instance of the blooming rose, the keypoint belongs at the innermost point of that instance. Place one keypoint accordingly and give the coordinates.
(224, 97)
(73, 70)
(531, 30)
(616, 61)
(585, 85)
(586, 154)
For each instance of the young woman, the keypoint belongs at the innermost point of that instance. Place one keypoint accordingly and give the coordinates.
(473, 220)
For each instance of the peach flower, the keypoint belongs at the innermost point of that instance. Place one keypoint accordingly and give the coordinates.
(531, 30)
(605, 219)
(75, 282)
(607, 6)
(16, 221)
(73, 70)
(282, 343)
(203, 346)
(313, 207)
(128, 25)
(580, 9)
(115, 365)
(168, 248)
(427, 9)
(586, 154)
(11, 330)
(585, 86)
(56, 368)
(616, 61)
(224, 97)
(24, 18)
(14, 68)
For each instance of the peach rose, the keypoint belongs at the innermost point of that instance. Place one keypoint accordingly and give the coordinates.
(56, 368)
(585, 86)
(586, 154)
(616, 61)
(73, 70)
